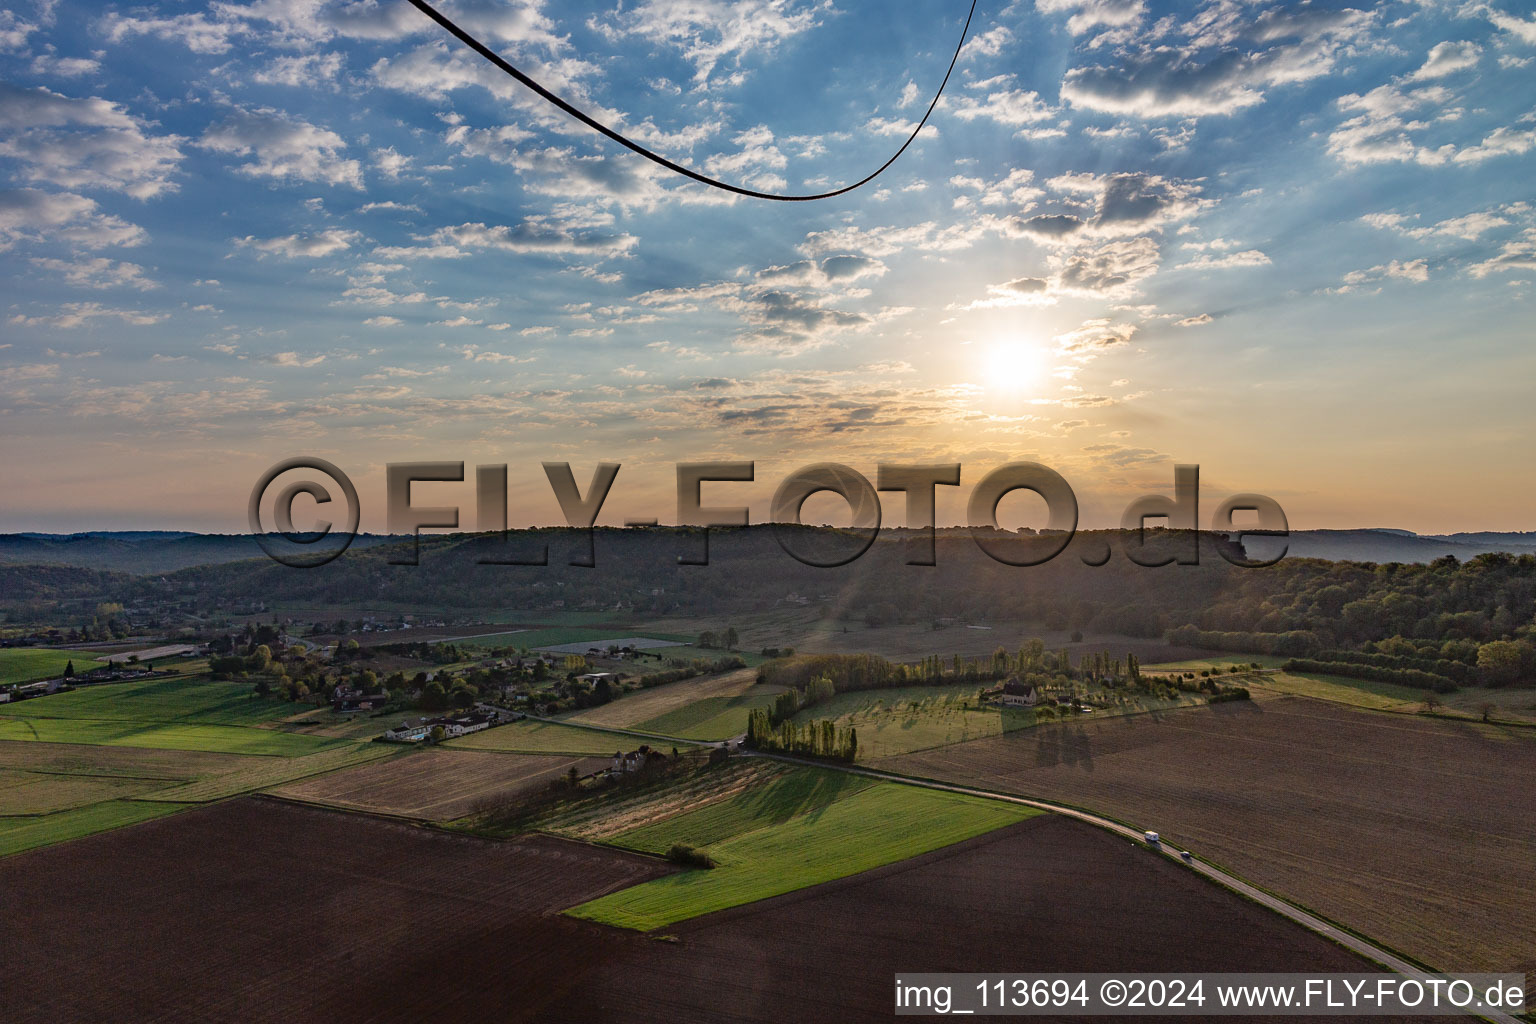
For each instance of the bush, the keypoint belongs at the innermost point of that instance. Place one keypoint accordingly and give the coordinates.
(689, 857)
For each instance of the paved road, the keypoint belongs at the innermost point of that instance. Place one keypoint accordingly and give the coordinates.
(1364, 947)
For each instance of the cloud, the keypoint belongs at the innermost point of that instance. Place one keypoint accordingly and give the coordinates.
(1087, 14)
(283, 148)
(1199, 320)
(1515, 254)
(1207, 261)
(831, 271)
(84, 143)
(1111, 269)
(532, 235)
(1469, 226)
(1008, 106)
(1522, 29)
(313, 246)
(1222, 67)
(292, 359)
(383, 321)
(1093, 337)
(98, 272)
(78, 314)
(32, 214)
(1447, 58)
(712, 32)
(303, 71)
(1416, 271)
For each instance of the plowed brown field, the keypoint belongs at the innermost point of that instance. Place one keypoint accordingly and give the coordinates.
(1416, 832)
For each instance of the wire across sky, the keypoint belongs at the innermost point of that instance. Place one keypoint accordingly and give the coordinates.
(498, 61)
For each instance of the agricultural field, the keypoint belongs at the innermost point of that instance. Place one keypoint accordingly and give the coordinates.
(33, 794)
(26, 664)
(712, 718)
(26, 832)
(806, 827)
(171, 714)
(804, 629)
(183, 701)
(531, 736)
(229, 739)
(1503, 704)
(404, 927)
(1051, 893)
(1414, 831)
(407, 914)
(553, 636)
(435, 785)
(703, 708)
(903, 719)
(263, 772)
(51, 792)
(602, 816)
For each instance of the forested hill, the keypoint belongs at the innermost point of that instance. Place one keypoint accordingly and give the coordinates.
(136, 552)
(147, 552)
(1297, 607)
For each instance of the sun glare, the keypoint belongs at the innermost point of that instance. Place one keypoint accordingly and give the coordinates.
(1014, 366)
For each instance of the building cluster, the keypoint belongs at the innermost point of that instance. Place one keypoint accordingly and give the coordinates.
(419, 730)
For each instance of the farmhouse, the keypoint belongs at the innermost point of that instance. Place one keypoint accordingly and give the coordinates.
(408, 732)
(345, 700)
(1028, 699)
(635, 759)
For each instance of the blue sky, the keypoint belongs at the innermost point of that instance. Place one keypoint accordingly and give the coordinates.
(1293, 243)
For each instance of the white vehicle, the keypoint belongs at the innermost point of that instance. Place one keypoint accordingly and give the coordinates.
(1184, 855)
(1152, 838)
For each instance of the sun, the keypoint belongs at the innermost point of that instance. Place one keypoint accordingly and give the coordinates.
(1014, 366)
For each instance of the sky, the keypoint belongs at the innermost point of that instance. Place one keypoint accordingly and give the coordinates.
(1292, 243)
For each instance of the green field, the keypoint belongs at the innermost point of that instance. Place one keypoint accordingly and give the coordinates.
(533, 737)
(225, 739)
(904, 719)
(274, 772)
(39, 793)
(711, 718)
(25, 664)
(18, 834)
(809, 831)
(182, 701)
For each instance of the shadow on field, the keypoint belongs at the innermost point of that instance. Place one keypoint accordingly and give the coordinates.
(804, 791)
(1064, 744)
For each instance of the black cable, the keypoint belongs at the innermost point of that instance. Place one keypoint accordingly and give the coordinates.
(491, 55)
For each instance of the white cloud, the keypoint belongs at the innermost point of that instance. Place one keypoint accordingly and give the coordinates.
(283, 147)
(383, 321)
(1522, 29)
(97, 272)
(1447, 58)
(313, 246)
(712, 32)
(303, 71)
(292, 359)
(1087, 14)
(1226, 64)
(1515, 254)
(1199, 320)
(1006, 106)
(78, 314)
(84, 143)
(532, 235)
(1207, 261)
(32, 214)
